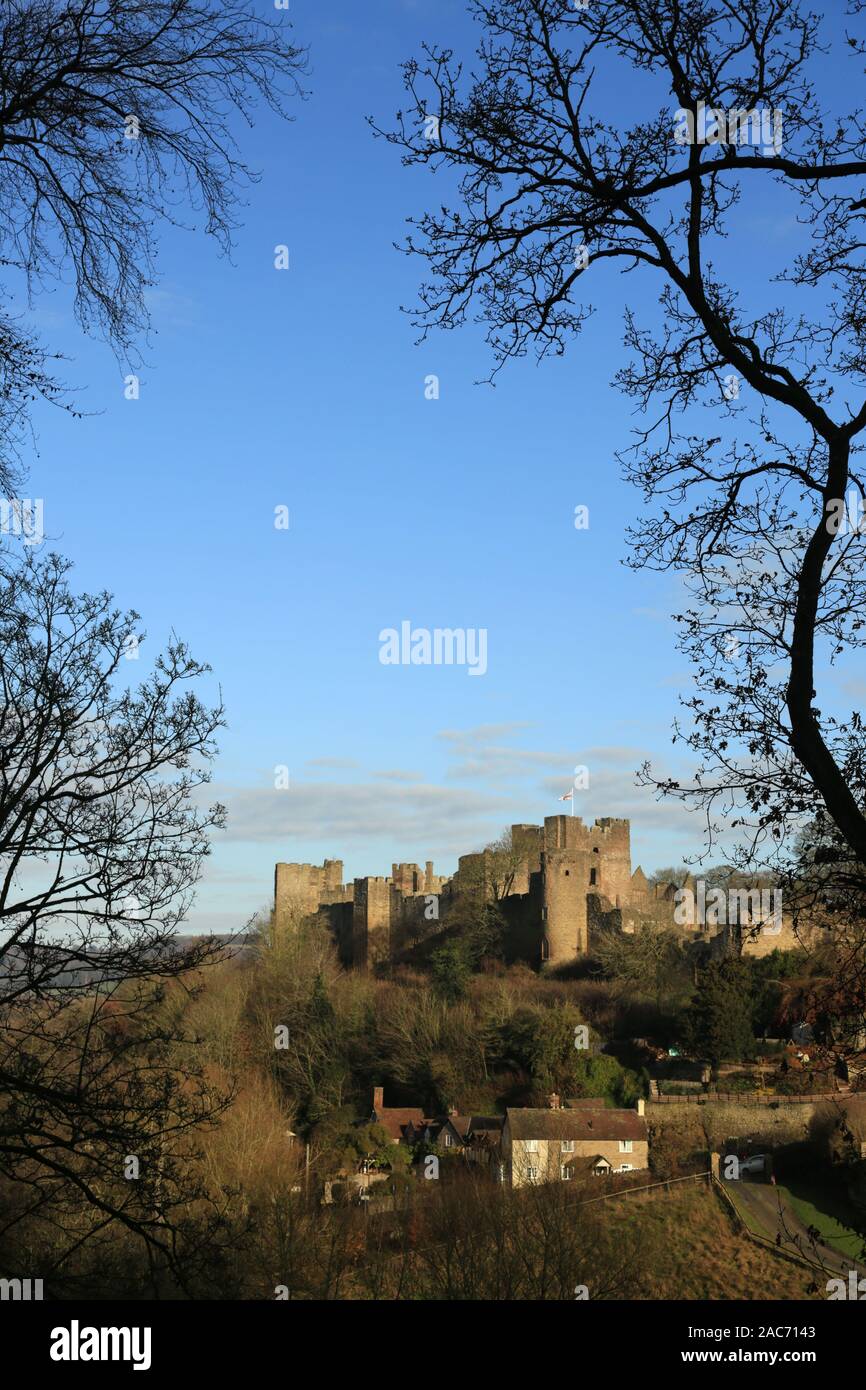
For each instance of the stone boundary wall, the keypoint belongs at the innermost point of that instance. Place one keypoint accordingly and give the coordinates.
(792, 1120)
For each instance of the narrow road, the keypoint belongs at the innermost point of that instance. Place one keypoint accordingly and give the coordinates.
(759, 1201)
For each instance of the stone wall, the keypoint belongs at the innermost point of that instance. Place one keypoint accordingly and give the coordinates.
(527, 841)
(559, 865)
(785, 1120)
(570, 879)
(610, 846)
(371, 923)
(300, 889)
(564, 875)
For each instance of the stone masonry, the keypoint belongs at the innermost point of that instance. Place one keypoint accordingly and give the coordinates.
(565, 880)
(564, 872)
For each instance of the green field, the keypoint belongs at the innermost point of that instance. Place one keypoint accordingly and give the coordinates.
(831, 1214)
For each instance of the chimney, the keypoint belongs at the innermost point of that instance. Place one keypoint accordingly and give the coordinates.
(378, 1098)
(553, 1100)
(641, 1106)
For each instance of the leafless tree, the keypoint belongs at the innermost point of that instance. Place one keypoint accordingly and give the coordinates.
(102, 836)
(549, 192)
(116, 115)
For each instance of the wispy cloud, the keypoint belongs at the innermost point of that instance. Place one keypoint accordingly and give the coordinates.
(171, 307)
(479, 755)
(490, 780)
(447, 820)
(398, 775)
(332, 764)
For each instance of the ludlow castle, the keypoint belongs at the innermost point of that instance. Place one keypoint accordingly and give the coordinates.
(554, 885)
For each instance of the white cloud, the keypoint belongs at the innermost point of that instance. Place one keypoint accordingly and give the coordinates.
(396, 815)
(444, 820)
(479, 758)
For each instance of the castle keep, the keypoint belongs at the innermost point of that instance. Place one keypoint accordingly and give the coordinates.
(559, 878)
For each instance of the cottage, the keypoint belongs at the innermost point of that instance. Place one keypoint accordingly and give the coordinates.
(447, 1133)
(559, 1144)
(402, 1124)
(475, 1137)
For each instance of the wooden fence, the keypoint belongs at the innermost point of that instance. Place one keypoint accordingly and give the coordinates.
(646, 1187)
(794, 1257)
(747, 1098)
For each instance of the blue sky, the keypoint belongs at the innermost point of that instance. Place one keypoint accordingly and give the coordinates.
(305, 389)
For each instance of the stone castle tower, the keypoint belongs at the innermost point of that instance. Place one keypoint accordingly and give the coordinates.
(561, 874)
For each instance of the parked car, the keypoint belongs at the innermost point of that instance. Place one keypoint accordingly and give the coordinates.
(756, 1163)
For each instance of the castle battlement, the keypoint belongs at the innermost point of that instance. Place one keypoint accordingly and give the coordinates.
(554, 886)
(558, 873)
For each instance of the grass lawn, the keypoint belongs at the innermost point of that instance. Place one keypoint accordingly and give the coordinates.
(699, 1254)
(830, 1213)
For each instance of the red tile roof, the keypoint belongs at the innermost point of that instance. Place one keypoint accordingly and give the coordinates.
(395, 1121)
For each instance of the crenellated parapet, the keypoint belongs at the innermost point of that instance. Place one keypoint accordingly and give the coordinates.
(544, 879)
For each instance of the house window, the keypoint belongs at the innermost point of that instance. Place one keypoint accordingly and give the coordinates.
(532, 1174)
(564, 1172)
(625, 1168)
(625, 1146)
(448, 1141)
(568, 1146)
(592, 876)
(532, 1146)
